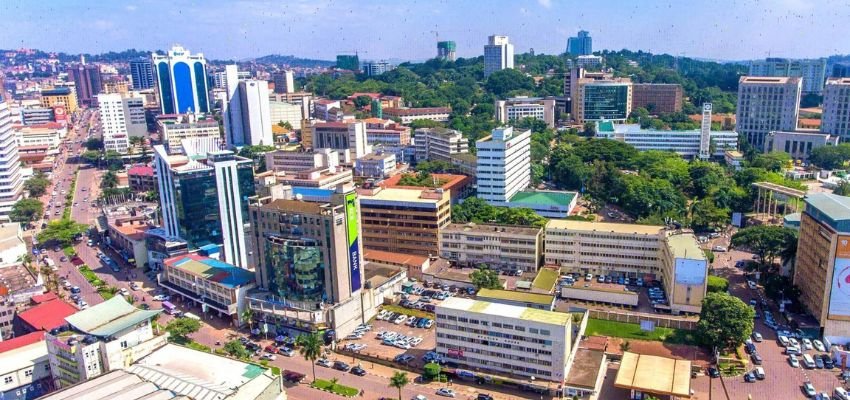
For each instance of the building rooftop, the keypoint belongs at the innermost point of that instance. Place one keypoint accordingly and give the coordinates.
(145, 170)
(505, 310)
(402, 195)
(604, 227)
(833, 206)
(212, 270)
(488, 228)
(767, 79)
(450, 181)
(15, 278)
(109, 317)
(544, 198)
(511, 295)
(10, 237)
(21, 341)
(685, 246)
(23, 354)
(546, 279)
(306, 207)
(654, 374)
(605, 126)
(394, 258)
(416, 111)
(47, 316)
(585, 368)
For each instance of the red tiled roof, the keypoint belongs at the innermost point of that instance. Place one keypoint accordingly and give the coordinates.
(141, 170)
(394, 258)
(44, 298)
(47, 316)
(21, 341)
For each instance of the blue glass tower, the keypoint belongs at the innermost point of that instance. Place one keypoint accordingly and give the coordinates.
(181, 79)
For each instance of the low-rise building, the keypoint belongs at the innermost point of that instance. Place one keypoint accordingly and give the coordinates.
(127, 236)
(404, 220)
(319, 177)
(734, 159)
(415, 265)
(539, 301)
(173, 128)
(12, 245)
(43, 316)
(341, 136)
(502, 247)
(291, 113)
(504, 339)
(59, 96)
(589, 61)
(408, 115)
(519, 108)
(800, 143)
(684, 143)
(17, 287)
(458, 186)
(161, 247)
(375, 165)
(386, 132)
(218, 287)
(142, 178)
(49, 134)
(296, 161)
(24, 367)
(322, 108)
(439, 144)
(684, 272)
(657, 98)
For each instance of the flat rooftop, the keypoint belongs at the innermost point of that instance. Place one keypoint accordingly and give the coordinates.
(512, 295)
(394, 258)
(585, 369)
(567, 224)
(831, 205)
(685, 246)
(494, 228)
(400, 195)
(654, 374)
(505, 310)
(212, 270)
(544, 198)
(766, 79)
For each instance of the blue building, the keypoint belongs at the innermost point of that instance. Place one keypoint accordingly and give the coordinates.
(181, 79)
(141, 72)
(580, 45)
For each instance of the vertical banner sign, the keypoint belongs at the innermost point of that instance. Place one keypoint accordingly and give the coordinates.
(839, 299)
(353, 240)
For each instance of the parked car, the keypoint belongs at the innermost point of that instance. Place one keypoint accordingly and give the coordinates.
(792, 359)
(324, 362)
(749, 377)
(759, 373)
(445, 392)
(161, 297)
(713, 372)
(341, 366)
(818, 345)
(358, 370)
(757, 360)
(809, 389)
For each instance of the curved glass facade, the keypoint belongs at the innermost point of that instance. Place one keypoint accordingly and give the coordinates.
(201, 87)
(165, 89)
(295, 269)
(183, 88)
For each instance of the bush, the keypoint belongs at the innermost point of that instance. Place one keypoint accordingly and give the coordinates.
(717, 284)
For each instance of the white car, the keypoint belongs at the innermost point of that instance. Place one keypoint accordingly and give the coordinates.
(124, 292)
(161, 297)
(792, 359)
(445, 392)
(757, 337)
(400, 319)
(793, 342)
(818, 345)
(807, 344)
(269, 356)
(324, 362)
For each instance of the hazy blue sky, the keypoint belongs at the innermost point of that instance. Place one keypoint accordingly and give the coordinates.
(403, 29)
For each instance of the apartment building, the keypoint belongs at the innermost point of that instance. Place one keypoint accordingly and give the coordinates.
(404, 220)
(519, 108)
(341, 136)
(142, 178)
(765, 105)
(657, 98)
(504, 339)
(11, 181)
(812, 72)
(408, 115)
(174, 128)
(284, 81)
(386, 132)
(439, 144)
(376, 165)
(24, 367)
(296, 161)
(502, 247)
(121, 117)
(836, 108)
(589, 61)
(504, 165)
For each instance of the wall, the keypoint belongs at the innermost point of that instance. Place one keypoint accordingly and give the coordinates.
(623, 298)
(631, 318)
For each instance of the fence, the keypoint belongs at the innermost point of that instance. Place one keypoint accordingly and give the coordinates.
(631, 318)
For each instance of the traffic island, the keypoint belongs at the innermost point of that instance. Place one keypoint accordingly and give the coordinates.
(335, 388)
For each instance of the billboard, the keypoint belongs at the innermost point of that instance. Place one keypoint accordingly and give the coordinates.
(353, 225)
(691, 272)
(839, 298)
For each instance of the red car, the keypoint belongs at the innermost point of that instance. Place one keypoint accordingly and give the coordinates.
(271, 349)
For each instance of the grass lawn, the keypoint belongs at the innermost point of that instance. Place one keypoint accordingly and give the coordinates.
(341, 390)
(600, 327)
(91, 276)
(408, 311)
(105, 292)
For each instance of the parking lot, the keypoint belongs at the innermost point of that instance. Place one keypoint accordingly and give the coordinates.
(651, 294)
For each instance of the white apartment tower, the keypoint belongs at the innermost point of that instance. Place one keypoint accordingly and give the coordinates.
(767, 104)
(113, 121)
(439, 144)
(11, 182)
(256, 112)
(498, 54)
(504, 165)
(284, 82)
(836, 108)
(232, 107)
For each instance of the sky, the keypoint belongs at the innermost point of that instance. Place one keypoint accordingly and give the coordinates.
(408, 30)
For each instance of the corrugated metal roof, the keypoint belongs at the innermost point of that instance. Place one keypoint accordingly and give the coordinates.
(109, 317)
(833, 206)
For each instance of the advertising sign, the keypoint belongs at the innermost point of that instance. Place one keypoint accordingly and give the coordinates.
(839, 298)
(353, 239)
(59, 113)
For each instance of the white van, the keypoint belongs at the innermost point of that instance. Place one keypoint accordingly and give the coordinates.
(840, 394)
(759, 373)
(808, 361)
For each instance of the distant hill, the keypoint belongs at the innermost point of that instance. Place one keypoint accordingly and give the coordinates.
(293, 61)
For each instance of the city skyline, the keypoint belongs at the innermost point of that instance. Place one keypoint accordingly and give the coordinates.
(254, 28)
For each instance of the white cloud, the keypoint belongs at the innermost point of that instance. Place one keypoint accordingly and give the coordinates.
(545, 3)
(131, 7)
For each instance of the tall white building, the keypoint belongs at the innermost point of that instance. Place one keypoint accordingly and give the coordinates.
(836, 108)
(498, 54)
(439, 144)
(181, 79)
(504, 165)
(812, 71)
(113, 122)
(342, 136)
(284, 82)
(767, 104)
(231, 109)
(518, 108)
(247, 114)
(11, 182)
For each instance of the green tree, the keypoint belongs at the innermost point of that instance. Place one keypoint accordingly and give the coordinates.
(399, 380)
(310, 348)
(37, 185)
(485, 278)
(725, 321)
(61, 232)
(717, 284)
(248, 316)
(705, 214)
(181, 328)
(94, 144)
(91, 156)
(26, 211)
(843, 188)
(236, 349)
(431, 371)
(830, 157)
(109, 180)
(775, 161)
(509, 80)
(113, 160)
(362, 101)
(768, 241)
(285, 124)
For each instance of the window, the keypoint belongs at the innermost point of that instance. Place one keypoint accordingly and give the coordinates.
(28, 372)
(7, 379)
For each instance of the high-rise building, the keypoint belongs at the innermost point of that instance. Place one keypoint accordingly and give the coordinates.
(504, 165)
(498, 54)
(518, 108)
(348, 62)
(121, 117)
(767, 104)
(87, 81)
(284, 82)
(580, 45)
(657, 98)
(813, 71)
(836, 108)
(57, 96)
(840, 71)
(342, 136)
(141, 73)
(374, 68)
(256, 116)
(219, 78)
(203, 195)
(181, 81)
(602, 99)
(11, 183)
(447, 50)
(405, 221)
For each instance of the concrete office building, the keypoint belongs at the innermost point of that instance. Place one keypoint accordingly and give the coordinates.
(375, 165)
(386, 132)
(766, 104)
(589, 61)
(823, 264)
(840, 70)
(502, 247)
(408, 115)
(504, 165)
(141, 74)
(49, 135)
(447, 50)
(341, 136)
(318, 178)
(121, 118)
(25, 367)
(204, 195)
(800, 143)
(11, 181)
(439, 144)
(292, 162)
(220, 78)
(303, 99)
(284, 82)
(38, 115)
(631, 251)
(181, 81)
(174, 130)
(504, 339)
(658, 98)
(291, 113)
(256, 116)
(812, 72)
(404, 220)
(519, 108)
(57, 96)
(498, 54)
(581, 44)
(684, 143)
(375, 68)
(836, 108)
(602, 99)
(87, 83)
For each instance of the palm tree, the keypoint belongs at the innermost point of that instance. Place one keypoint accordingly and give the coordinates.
(248, 316)
(310, 349)
(399, 380)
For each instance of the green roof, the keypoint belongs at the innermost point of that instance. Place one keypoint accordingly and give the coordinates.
(523, 297)
(544, 198)
(546, 279)
(605, 126)
(836, 207)
(547, 317)
(109, 317)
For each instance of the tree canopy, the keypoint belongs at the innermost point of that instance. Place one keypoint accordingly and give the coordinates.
(37, 185)
(768, 241)
(236, 349)
(181, 328)
(61, 232)
(27, 211)
(830, 157)
(485, 278)
(476, 210)
(725, 321)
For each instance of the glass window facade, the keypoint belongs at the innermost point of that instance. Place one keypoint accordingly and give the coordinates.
(608, 102)
(295, 269)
